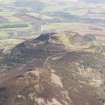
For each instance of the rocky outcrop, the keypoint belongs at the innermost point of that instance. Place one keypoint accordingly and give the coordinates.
(37, 87)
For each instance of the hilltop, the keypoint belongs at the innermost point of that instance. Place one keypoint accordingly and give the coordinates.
(77, 67)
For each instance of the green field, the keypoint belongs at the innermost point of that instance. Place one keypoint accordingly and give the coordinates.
(6, 13)
(13, 25)
(8, 44)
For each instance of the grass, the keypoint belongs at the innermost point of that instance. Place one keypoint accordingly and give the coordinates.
(12, 18)
(64, 39)
(53, 7)
(6, 13)
(13, 25)
(41, 16)
(3, 35)
(8, 44)
(55, 26)
(6, 1)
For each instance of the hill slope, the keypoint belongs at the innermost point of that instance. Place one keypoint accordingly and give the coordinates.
(52, 70)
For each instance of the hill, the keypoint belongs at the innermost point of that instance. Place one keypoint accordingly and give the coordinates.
(52, 70)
